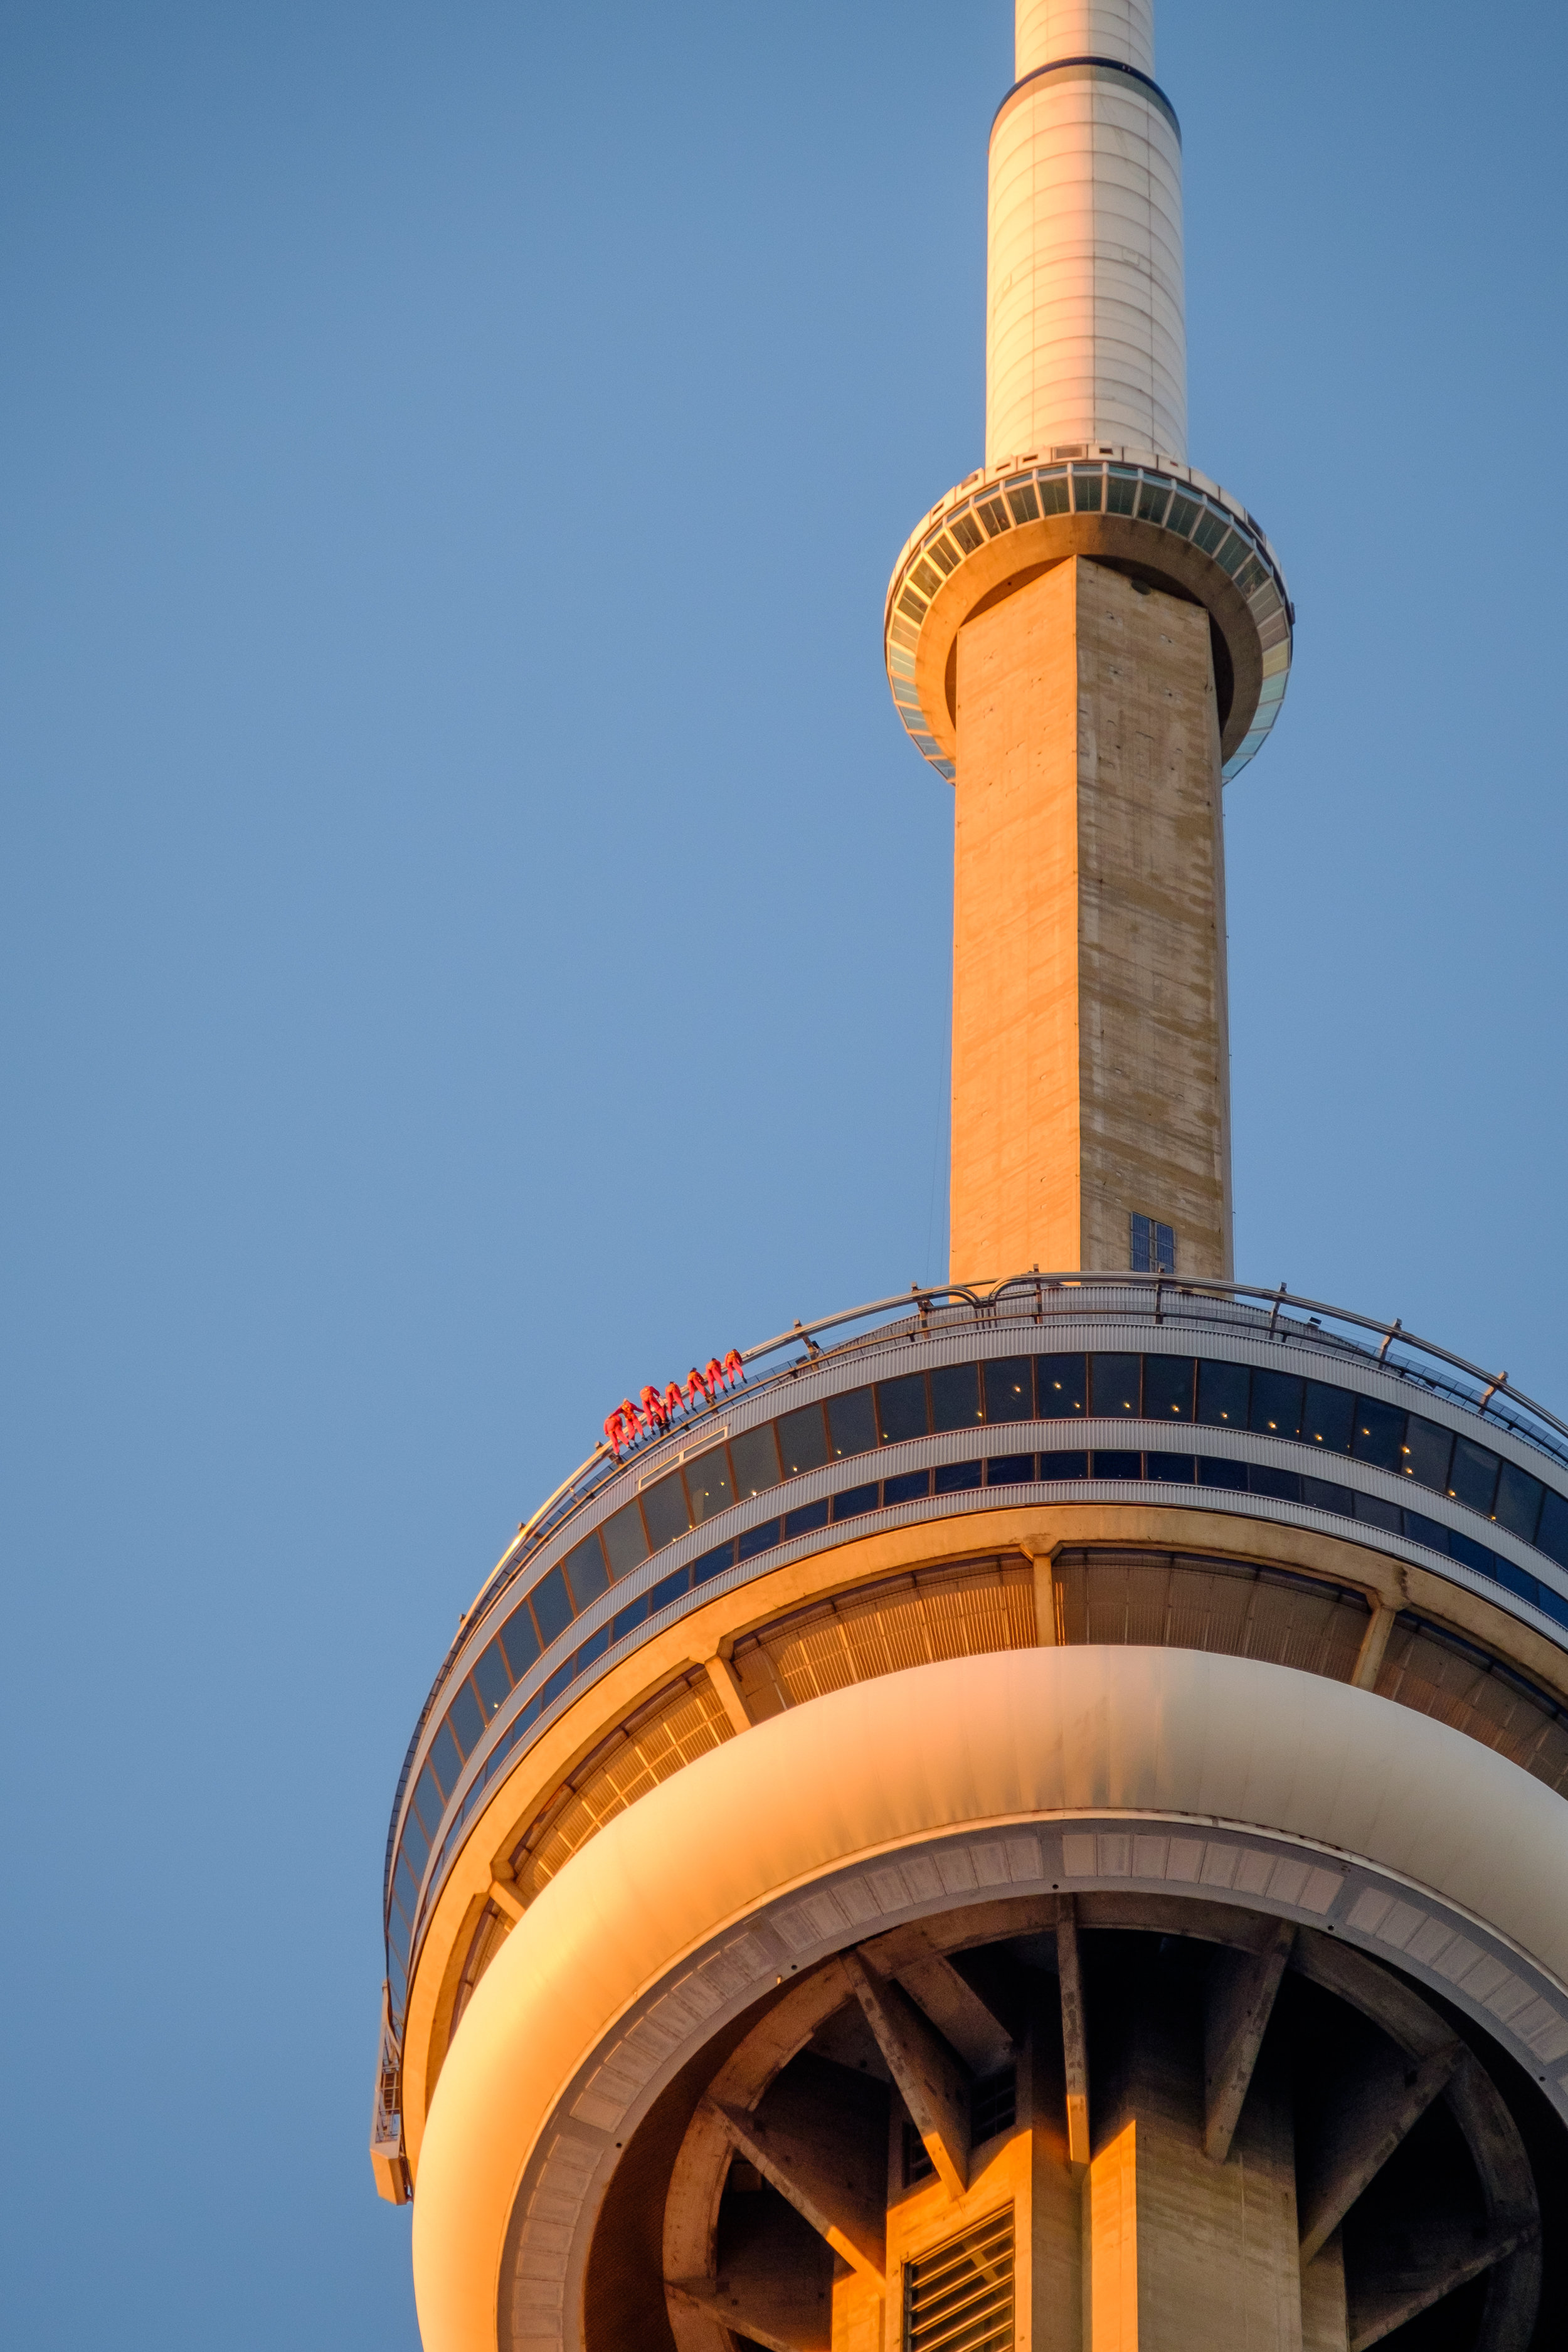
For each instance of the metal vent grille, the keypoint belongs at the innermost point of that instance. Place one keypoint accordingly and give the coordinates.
(959, 2298)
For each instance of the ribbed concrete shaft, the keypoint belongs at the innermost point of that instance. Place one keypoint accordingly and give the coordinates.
(1085, 28)
(1086, 340)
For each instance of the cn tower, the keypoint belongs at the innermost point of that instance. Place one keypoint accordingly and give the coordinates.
(1031, 1813)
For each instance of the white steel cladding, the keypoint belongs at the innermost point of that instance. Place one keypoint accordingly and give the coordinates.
(1048, 29)
(1085, 333)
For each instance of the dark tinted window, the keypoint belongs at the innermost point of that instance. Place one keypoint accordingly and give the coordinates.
(1551, 1534)
(427, 1797)
(1168, 1388)
(1379, 1435)
(802, 1440)
(754, 1458)
(1323, 1496)
(1263, 1478)
(520, 1641)
(445, 1761)
(852, 1424)
(402, 1883)
(416, 1845)
(1059, 1384)
(1063, 1466)
(1114, 1385)
(468, 1723)
(1118, 1465)
(911, 1487)
(669, 1588)
(1174, 1469)
(627, 1620)
(956, 1477)
(955, 1396)
(585, 1571)
(493, 1681)
(1430, 1532)
(708, 1483)
(1472, 1475)
(1518, 1505)
(1474, 1555)
(1379, 1514)
(1427, 1452)
(854, 1502)
(625, 1542)
(1222, 1395)
(664, 1508)
(1009, 1389)
(551, 1608)
(1326, 1414)
(902, 1408)
(1276, 1404)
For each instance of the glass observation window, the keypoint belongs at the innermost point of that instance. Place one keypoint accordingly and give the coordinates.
(1062, 1384)
(1009, 1389)
(902, 1411)
(708, 1485)
(1327, 1417)
(1168, 1387)
(586, 1574)
(1276, 1409)
(1222, 1394)
(552, 1609)
(1115, 1385)
(802, 1440)
(955, 1396)
(664, 1510)
(852, 1424)
(755, 1457)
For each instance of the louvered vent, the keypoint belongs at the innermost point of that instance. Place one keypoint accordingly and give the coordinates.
(959, 2297)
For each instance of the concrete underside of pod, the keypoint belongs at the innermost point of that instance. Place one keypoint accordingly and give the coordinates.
(1050, 1998)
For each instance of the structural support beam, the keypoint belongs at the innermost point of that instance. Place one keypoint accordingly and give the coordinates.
(1075, 2035)
(506, 1900)
(956, 2009)
(823, 2180)
(777, 2319)
(1457, 2257)
(721, 1675)
(1241, 1990)
(929, 2079)
(1374, 1642)
(1375, 2112)
(1038, 1554)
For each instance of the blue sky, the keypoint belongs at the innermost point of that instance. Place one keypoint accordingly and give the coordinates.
(476, 937)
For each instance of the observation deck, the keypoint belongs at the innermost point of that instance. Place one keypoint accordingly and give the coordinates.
(961, 1471)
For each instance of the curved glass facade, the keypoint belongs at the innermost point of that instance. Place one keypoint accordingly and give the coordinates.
(1009, 1403)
